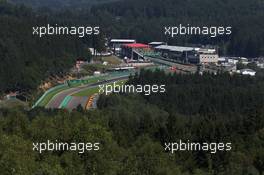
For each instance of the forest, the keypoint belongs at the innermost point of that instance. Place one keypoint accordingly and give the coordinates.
(59, 4)
(26, 60)
(132, 129)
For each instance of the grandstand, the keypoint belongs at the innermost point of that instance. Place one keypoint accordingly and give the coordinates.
(131, 51)
(193, 55)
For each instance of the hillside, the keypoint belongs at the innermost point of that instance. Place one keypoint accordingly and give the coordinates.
(60, 3)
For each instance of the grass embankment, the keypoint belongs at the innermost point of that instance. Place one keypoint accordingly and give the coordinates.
(111, 60)
(49, 96)
(91, 91)
(97, 78)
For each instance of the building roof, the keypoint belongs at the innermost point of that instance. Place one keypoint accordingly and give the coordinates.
(248, 70)
(157, 43)
(136, 45)
(176, 48)
(122, 41)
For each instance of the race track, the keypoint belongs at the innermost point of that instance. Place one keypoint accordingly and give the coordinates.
(65, 99)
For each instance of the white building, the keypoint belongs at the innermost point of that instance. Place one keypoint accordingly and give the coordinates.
(232, 60)
(116, 44)
(208, 58)
(247, 72)
(244, 60)
(222, 59)
(194, 55)
(156, 44)
(260, 65)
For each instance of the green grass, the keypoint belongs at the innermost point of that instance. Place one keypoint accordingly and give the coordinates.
(96, 79)
(87, 92)
(91, 91)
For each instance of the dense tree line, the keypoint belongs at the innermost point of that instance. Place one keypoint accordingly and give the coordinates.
(224, 90)
(132, 129)
(27, 59)
(59, 4)
(208, 108)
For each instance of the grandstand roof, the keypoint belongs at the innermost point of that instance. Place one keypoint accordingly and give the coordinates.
(176, 48)
(157, 43)
(123, 41)
(136, 45)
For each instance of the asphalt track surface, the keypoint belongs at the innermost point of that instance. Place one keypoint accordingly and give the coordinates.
(75, 101)
(57, 100)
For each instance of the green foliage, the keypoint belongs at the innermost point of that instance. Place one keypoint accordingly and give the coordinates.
(28, 59)
(59, 4)
(132, 130)
(208, 108)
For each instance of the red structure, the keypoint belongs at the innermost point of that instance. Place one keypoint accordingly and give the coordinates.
(136, 45)
(133, 51)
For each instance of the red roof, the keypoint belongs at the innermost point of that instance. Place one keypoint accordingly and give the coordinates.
(136, 45)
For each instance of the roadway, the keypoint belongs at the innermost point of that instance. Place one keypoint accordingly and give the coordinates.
(184, 68)
(65, 99)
